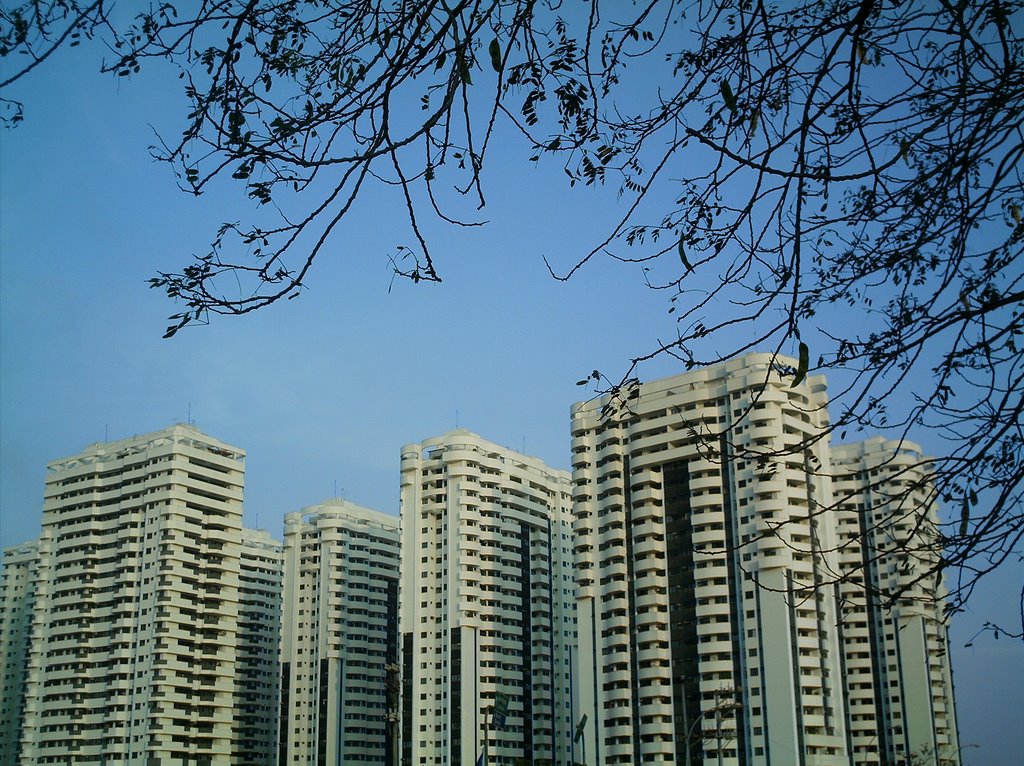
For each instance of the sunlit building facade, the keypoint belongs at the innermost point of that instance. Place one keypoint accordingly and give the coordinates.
(17, 598)
(340, 636)
(899, 687)
(699, 548)
(487, 610)
(135, 615)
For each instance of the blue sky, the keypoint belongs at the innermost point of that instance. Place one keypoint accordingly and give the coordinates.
(321, 391)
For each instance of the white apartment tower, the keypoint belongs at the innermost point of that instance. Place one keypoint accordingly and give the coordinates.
(487, 605)
(340, 634)
(17, 596)
(699, 543)
(136, 606)
(898, 677)
(258, 674)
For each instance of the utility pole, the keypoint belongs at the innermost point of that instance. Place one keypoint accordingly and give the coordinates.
(733, 704)
(718, 733)
(393, 684)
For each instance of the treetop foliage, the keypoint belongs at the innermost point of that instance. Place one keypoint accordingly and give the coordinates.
(840, 180)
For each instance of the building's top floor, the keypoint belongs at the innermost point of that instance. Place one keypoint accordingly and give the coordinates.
(17, 563)
(177, 438)
(769, 376)
(877, 451)
(20, 554)
(260, 540)
(337, 512)
(463, 445)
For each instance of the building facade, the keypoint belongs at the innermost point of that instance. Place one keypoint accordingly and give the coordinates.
(258, 673)
(17, 599)
(706, 636)
(135, 613)
(899, 686)
(487, 613)
(340, 636)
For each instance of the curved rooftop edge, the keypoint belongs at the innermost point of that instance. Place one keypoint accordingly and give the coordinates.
(730, 371)
(461, 438)
(179, 433)
(339, 509)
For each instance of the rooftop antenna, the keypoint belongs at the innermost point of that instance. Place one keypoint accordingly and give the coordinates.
(524, 445)
(335, 487)
(189, 421)
(456, 418)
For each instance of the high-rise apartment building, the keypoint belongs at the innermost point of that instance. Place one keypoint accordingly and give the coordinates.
(487, 614)
(258, 672)
(17, 597)
(707, 633)
(898, 678)
(340, 636)
(135, 617)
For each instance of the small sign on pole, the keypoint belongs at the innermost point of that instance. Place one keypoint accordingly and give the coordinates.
(500, 710)
(579, 728)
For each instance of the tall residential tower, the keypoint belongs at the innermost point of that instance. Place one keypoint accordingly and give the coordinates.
(258, 676)
(898, 677)
(488, 619)
(136, 605)
(17, 598)
(700, 548)
(340, 636)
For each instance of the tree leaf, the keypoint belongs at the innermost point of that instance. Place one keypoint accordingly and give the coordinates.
(801, 365)
(682, 256)
(727, 96)
(495, 50)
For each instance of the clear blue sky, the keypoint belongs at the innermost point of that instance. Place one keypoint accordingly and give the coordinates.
(321, 391)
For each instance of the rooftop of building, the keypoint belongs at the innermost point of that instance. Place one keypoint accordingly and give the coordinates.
(181, 433)
(461, 438)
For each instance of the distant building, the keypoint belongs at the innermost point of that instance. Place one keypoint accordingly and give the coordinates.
(135, 618)
(17, 599)
(897, 670)
(704, 638)
(487, 618)
(258, 675)
(340, 634)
